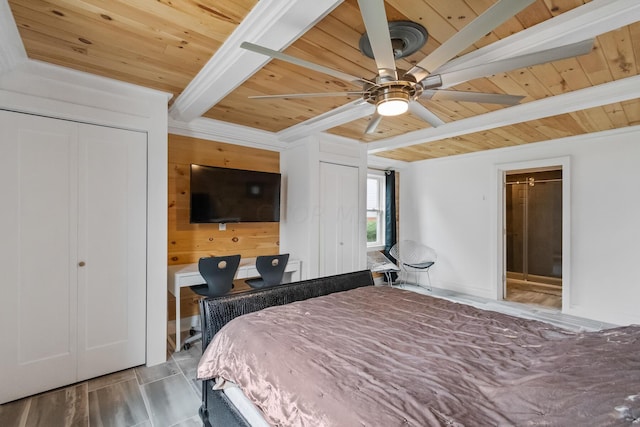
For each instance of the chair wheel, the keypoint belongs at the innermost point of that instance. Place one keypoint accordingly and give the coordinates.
(186, 346)
(192, 332)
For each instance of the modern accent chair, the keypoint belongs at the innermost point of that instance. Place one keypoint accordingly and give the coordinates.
(218, 272)
(413, 257)
(271, 269)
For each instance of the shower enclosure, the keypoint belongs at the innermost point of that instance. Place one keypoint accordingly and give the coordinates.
(534, 229)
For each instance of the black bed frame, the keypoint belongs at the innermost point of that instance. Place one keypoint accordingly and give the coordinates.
(216, 409)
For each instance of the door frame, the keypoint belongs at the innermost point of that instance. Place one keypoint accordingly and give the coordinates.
(501, 170)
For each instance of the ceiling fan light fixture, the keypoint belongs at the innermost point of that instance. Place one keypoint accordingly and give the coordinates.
(392, 102)
(392, 107)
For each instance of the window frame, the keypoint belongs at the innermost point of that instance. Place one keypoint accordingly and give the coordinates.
(380, 212)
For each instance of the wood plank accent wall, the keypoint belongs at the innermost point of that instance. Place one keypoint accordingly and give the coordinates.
(188, 242)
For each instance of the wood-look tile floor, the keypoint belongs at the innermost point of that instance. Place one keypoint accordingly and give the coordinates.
(169, 395)
(530, 293)
(166, 395)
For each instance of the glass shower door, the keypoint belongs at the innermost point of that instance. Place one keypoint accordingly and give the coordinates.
(534, 227)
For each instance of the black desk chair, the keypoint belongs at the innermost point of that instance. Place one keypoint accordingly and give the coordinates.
(271, 269)
(218, 272)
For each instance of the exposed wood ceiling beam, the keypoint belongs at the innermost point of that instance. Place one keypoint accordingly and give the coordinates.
(12, 50)
(272, 23)
(607, 93)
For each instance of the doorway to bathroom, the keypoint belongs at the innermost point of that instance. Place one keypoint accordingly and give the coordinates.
(533, 220)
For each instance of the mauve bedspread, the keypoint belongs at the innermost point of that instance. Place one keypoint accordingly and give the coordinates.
(378, 356)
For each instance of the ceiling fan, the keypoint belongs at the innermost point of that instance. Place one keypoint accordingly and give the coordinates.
(395, 91)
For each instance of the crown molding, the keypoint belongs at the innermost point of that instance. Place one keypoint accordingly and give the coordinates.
(271, 23)
(609, 133)
(30, 71)
(215, 130)
(607, 93)
(12, 51)
(377, 162)
(579, 24)
(40, 88)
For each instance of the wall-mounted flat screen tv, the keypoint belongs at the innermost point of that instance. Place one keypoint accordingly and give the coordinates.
(233, 195)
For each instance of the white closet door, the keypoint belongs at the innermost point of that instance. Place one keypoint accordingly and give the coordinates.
(339, 219)
(38, 302)
(112, 246)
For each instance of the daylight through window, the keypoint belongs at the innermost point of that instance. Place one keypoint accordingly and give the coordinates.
(375, 209)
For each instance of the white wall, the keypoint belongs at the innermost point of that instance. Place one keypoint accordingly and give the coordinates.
(299, 224)
(452, 205)
(48, 90)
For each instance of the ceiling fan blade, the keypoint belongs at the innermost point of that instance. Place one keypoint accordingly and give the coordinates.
(483, 24)
(301, 62)
(307, 95)
(453, 77)
(373, 123)
(421, 111)
(483, 98)
(375, 21)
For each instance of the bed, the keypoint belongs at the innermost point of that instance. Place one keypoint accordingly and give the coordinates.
(339, 352)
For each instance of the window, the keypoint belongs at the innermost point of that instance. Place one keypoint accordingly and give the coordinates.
(375, 209)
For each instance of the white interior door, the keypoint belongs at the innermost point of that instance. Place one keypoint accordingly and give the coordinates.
(112, 247)
(339, 218)
(72, 254)
(38, 305)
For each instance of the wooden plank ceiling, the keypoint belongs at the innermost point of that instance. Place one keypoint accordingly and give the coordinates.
(163, 45)
(159, 44)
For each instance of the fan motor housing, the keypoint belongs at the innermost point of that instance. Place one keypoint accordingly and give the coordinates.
(404, 90)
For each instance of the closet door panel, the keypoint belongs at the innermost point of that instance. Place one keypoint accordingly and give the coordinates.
(349, 219)
(38, 307)
(112, 244)
(329, 227)
(338, 218)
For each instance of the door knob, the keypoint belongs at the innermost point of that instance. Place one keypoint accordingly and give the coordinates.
(81, 264)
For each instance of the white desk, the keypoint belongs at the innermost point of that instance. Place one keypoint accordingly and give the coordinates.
(182, 275)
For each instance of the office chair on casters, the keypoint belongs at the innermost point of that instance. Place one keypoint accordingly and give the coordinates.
(218, 272)
(271, 269)
(413, 257)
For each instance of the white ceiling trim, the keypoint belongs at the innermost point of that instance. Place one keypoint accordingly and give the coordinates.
(338, 116)
(377, 162)
(271, 23)
(607, 93)
(582, 23)
(12, 50)
(610, 133)
(215, 130)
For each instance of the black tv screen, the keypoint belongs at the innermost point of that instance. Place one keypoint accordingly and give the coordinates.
(233, 195)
